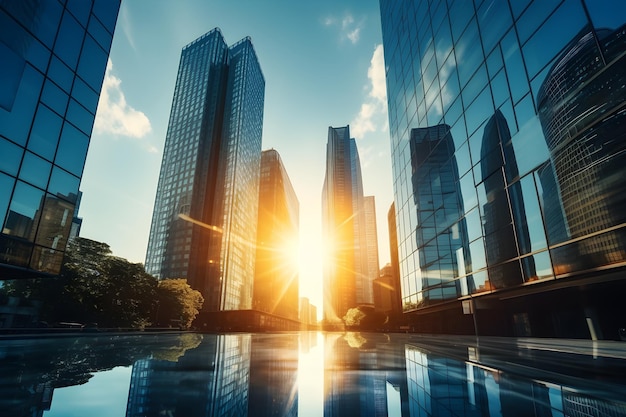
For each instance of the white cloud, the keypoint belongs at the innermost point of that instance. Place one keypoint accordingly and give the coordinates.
(349, 29)
(114, 115)
(372, 116)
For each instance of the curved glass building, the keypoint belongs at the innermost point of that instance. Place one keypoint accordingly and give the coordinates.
(508, 137)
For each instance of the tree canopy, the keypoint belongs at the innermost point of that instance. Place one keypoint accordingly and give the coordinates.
(96, 287)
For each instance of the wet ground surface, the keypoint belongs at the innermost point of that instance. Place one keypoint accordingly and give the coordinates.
(310, 374)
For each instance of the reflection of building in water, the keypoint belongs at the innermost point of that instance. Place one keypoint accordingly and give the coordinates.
(356, 378)
(579, 108)
(441, 239)
(276, 269)
(53, 58)
(210, 380)
(502, 204)
(488, 385)
(273, 387)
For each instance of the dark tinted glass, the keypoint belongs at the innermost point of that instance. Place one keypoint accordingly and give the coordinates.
(44, 135)
(63, 185)
(92, 63)
(16, 123)
(35, 170)
(69, 40)
(11, 157)
(6, 188)
(21, 218)
(72, 150)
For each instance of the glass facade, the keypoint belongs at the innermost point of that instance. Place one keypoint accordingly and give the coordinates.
(205, 211)
(53, 56)
(347, 281)
(276, 287)
(507, 125)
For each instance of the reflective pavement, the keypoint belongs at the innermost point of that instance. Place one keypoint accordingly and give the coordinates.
(310, 374)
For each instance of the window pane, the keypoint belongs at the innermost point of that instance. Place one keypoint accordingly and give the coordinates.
(560, 29)
(46, 260)
(45, 133)
(21, 218)
(72, 150)
(63, 184)
(15, 124)
(506, 275)
(54, 97)
(92, 63)
(56, 223)
(80, 117)
(537, 266)
(69, 40)
(528, 222)
(35, 170)
(6, 188)
(494, 19)
(11, 157)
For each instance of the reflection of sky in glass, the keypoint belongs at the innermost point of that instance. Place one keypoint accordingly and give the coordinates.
(104, 395)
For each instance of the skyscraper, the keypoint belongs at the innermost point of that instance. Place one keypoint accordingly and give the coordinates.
(342, 190)
(205, 212)
(533, 96)
(53, 58)
(370, 251)
(276, 288)
(349, 229)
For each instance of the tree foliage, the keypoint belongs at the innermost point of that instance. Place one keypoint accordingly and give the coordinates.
(365, 318)
(93, 287)
(177, 302)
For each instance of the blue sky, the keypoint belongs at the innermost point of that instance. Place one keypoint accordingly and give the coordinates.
(323, 66)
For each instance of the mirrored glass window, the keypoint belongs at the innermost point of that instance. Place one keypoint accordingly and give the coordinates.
(60, 74)
(72, 150)
(63, 185)
(54, 97)
(15, 124)
(6, 188)
(69, 40)
(35, 170)
(494, 19)
(85, 95)
(11, 157)
(531, 236)
(44, 135)
(80, 117)
(92, 63)
(561, 28)
(46, 259)
(22, 216)
(537, 267)
(506, 275)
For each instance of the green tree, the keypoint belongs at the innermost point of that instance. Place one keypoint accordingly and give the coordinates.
(177, 302)
(93, 287)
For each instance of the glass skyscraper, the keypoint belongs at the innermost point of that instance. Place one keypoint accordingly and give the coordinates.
(53, 57)
(507, 124)
(276, 287)
(205, 213)
(347, 224)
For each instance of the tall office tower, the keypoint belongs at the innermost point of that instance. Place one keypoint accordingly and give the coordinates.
(205, 212)
(342, 222)
(276, 289)
(370, 249)
(53, 57)
(533, 96)
(395, 264)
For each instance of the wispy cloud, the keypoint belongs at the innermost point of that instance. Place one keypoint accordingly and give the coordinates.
(114, 114)
(126, 26)
(372, 116)
(349, 29)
